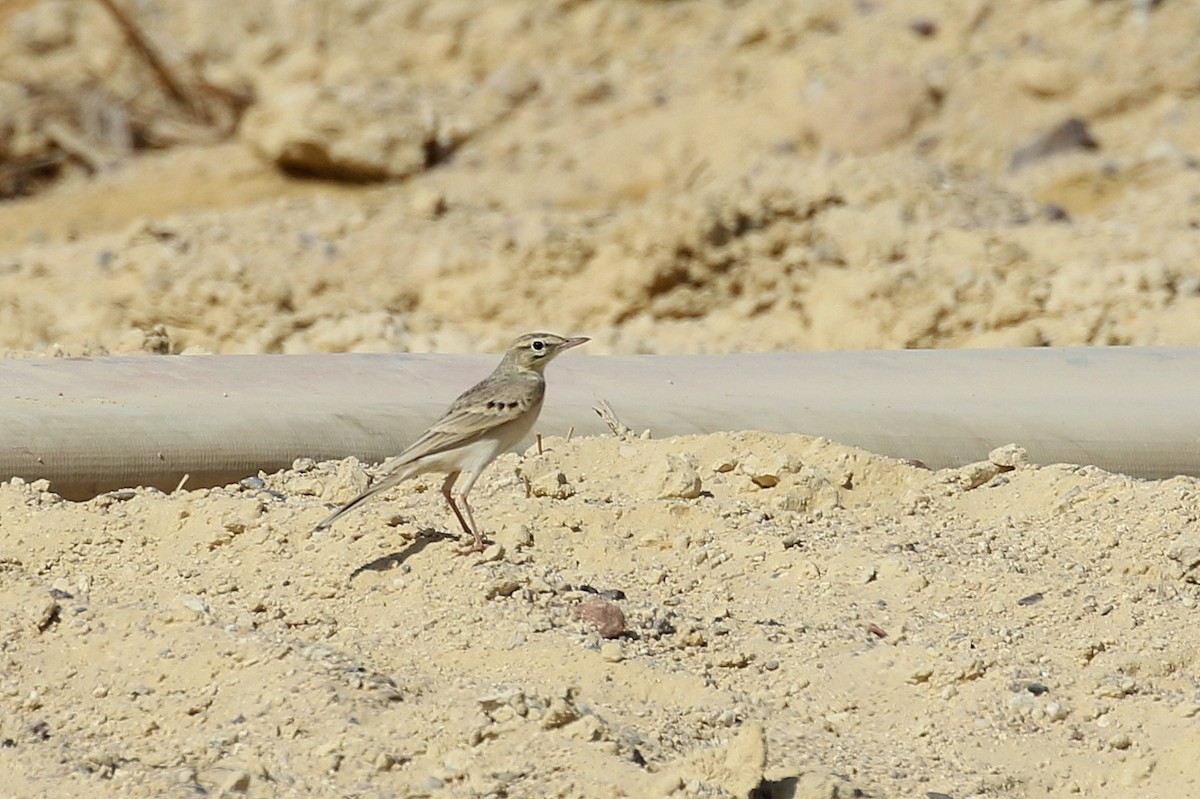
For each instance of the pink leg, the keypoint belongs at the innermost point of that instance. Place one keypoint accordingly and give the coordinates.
(468, 521)
(478, 544)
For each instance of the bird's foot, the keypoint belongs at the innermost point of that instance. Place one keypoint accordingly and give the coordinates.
(478, 545)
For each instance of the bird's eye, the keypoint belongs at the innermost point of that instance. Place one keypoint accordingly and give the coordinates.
(538, 345)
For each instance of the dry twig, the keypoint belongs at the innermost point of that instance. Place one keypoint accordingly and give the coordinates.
(178, 89)
(609, 417)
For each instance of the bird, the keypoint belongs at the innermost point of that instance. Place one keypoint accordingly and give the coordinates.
(485, 421)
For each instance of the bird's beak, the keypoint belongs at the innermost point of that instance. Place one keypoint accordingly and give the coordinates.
(574, 342)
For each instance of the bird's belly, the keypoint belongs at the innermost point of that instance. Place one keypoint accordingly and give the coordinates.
(517, 429)
(466, 458)
(478, 454)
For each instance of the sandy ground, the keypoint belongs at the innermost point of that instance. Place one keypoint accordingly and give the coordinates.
(730, 615)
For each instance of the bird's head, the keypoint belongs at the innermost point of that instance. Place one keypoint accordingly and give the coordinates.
(535, 350)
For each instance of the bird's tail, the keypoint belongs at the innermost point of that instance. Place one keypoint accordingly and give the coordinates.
(393, 479)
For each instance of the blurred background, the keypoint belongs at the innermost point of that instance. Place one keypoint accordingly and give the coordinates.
(296, 176)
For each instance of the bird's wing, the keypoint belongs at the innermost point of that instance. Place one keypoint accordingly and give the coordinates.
(473, 415)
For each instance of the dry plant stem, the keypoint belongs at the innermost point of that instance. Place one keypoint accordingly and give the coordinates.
(76, 147)
(609, 417)
(176, 88)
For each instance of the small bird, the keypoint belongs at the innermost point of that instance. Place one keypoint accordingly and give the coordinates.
(485, 421)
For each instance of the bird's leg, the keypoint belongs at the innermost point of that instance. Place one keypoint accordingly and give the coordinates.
(478, 545)
(447, 486)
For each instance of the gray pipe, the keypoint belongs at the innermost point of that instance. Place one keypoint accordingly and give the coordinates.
(93, 424)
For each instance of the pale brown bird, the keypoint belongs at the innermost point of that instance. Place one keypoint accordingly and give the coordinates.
(485, 421)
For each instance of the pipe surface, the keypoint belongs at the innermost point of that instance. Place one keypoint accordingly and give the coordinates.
(93, 424)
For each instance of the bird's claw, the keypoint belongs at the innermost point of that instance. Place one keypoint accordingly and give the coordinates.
(477, 546)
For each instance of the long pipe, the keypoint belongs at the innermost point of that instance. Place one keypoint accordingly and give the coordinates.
(94, 424)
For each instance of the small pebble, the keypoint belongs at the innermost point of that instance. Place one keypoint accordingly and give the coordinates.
(46, 615)
(195, 604)
(612, 652)
(1009, 456)
(492, 554)
(1056, 712)
(237, 781)
(1055, 213)
(608, 618)
(923, 27)
(428, 785)
(503, 586)
(1072, 134)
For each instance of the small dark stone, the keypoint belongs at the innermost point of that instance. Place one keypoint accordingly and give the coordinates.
(938, 795)
(1070, 135)
(1055, 213)
(612, 594)
(1032, 599)
(637, 757)
(923, 26)
(1036, 688)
